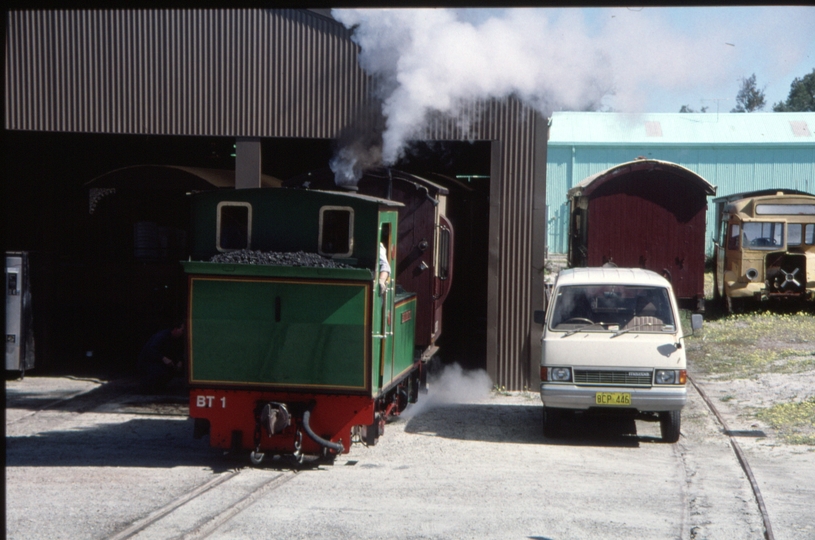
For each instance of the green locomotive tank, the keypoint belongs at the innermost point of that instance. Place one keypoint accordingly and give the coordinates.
(297, 343)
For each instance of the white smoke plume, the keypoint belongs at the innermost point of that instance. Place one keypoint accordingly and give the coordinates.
(431, 61)
(452, 386)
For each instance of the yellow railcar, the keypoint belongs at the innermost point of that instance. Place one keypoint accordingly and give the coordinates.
(764, 246)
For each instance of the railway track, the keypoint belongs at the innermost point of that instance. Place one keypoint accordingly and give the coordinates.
(745, 465)
(201, 511)
(56, 400)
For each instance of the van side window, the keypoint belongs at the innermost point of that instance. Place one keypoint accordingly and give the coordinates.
(336, 231)
(733, 237)
(234, 226)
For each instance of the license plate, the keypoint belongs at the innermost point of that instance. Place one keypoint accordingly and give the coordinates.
(612, 398)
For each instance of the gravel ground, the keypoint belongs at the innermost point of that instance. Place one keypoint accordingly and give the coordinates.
(465, 462)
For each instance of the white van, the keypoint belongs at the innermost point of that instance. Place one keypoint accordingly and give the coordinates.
(612, 343)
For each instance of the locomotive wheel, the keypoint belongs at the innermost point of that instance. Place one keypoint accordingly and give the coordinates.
(669, 424)
(372, 432)
(256, 458)
(401, 399)
(413, 385)
(327, 457)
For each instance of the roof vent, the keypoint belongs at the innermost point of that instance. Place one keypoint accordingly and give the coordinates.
(653, 129)
(800, 128)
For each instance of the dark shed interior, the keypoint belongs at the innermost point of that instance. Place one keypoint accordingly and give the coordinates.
(105, 234)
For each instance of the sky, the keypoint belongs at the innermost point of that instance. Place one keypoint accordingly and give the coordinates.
(619, 59)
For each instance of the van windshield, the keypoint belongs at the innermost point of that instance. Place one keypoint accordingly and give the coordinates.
(612, 308)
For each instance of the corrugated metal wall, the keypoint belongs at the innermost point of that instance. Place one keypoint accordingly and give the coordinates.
(272, 73)
(243, 72)
(517, 231)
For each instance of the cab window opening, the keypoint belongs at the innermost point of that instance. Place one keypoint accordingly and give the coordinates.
(234, 230)
(336, 231)
(444, 253)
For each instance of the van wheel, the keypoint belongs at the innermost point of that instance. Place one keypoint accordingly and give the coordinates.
(669, 424)
(552, 422)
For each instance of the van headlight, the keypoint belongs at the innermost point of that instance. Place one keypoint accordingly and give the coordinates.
(560, 374)
(670, 376)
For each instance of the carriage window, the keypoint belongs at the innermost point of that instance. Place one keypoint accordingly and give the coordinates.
(809, 234)
(794, 234)
(786, 209)
(759, 235)
(234, 227)
(733, 239)
(444, 253)
(336, 231)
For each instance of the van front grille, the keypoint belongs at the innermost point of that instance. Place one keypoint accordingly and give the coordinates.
(628, 377)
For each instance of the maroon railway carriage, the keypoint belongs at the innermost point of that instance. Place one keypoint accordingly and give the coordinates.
(644, 214)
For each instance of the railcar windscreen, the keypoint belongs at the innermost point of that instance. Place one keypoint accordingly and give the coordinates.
(763, 235)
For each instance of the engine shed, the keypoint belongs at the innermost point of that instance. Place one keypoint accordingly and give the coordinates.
(643, 214)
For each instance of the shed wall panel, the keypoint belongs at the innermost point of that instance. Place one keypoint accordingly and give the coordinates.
(512, 235)
(221, 72)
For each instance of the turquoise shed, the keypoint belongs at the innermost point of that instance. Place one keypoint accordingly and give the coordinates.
(736, 152)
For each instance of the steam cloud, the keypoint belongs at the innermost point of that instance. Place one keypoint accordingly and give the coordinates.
(432, 61)
(452, 386)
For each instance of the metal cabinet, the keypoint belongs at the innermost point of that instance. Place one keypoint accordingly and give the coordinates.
(19, 317)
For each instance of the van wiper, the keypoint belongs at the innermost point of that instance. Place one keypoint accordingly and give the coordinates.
(576, 330)
(635, 327)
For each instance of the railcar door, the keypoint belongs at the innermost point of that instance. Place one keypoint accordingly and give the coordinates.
(719, 243)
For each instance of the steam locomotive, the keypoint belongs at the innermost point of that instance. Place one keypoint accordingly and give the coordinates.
(295, 346)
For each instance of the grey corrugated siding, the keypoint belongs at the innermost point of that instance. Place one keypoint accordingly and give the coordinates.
(513, 293)
(268, 73)
(245, 72)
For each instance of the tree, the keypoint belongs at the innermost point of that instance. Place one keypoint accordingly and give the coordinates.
(749, 98)
(687, 109)
(801, 97)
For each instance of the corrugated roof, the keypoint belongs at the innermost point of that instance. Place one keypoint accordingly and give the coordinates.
(687, 129)
(642, 164)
